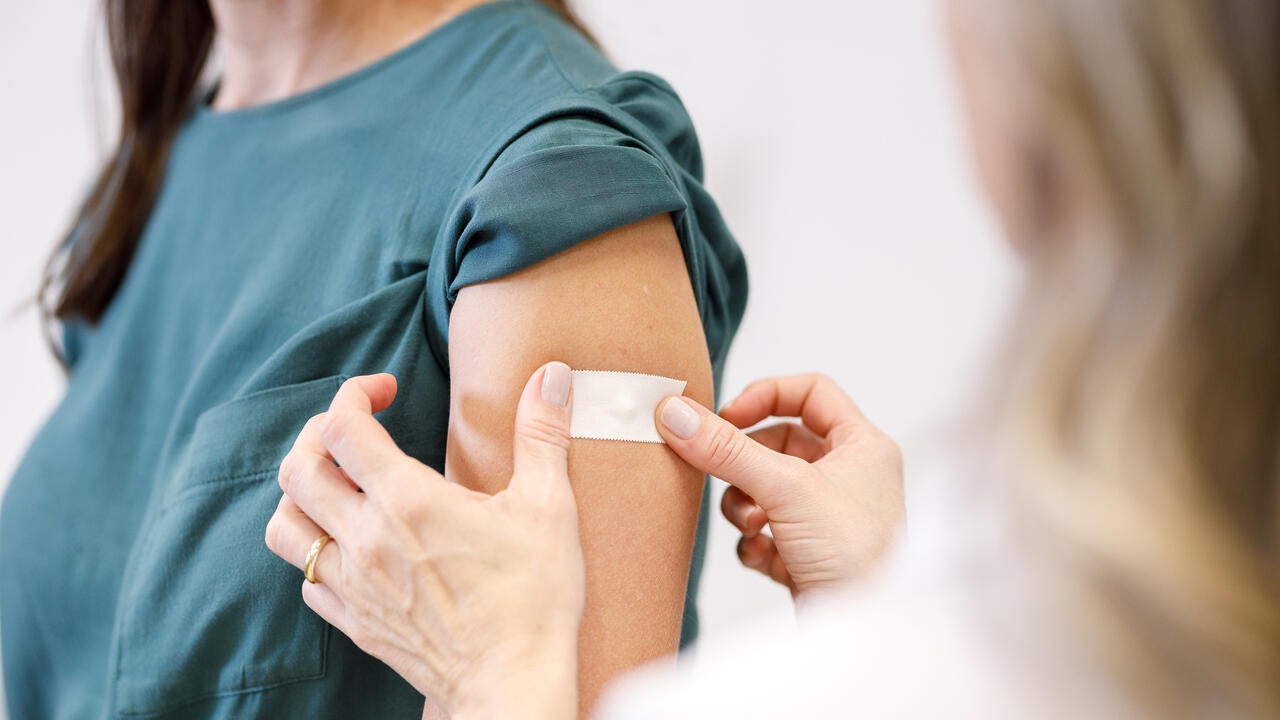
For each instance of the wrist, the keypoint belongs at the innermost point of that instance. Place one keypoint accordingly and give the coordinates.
(535, 679)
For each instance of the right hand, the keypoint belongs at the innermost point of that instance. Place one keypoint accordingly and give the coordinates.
(475, 599)
(829, 488)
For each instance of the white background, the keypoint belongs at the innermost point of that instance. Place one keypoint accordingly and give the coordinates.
(832, 141)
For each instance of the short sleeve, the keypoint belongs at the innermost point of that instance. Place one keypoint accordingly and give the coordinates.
(600, 161)
(559, 184)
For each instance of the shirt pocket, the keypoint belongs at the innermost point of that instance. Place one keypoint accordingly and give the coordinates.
(207, 610)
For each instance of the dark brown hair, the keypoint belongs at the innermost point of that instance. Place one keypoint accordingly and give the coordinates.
(159, 49)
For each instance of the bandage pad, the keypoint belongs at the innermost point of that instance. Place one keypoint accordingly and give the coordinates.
(609, 405)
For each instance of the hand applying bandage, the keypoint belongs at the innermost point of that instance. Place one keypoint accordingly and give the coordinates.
(829, 487)
(475, 599)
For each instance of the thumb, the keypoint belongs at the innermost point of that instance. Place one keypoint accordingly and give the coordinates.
(541, 453)
(713, 445)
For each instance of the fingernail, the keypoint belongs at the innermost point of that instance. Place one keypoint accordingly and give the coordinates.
(556, 381)
(680, 418)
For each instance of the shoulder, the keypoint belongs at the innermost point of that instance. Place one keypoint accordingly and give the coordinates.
(517, 67)
(581, 66)
(585, 148)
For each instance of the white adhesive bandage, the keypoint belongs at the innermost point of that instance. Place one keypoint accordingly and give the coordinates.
(610, 405)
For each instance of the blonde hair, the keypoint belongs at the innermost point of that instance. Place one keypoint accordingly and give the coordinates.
(1141, 406)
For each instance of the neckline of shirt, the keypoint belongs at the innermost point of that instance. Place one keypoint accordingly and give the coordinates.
(378, 67)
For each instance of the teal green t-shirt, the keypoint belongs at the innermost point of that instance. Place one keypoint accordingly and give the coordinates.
(293, 245)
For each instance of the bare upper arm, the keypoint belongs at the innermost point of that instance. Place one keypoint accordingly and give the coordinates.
(621, 301)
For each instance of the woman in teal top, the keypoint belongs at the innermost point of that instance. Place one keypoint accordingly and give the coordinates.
(476, 191)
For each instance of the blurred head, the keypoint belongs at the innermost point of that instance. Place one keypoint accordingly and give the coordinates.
(1131, 149)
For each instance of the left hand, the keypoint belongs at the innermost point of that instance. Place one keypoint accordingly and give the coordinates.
(432, 578)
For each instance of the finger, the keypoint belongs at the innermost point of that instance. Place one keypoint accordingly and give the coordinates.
(814, 398)
(326, 603)
(366, 393)
(541, 452)
(359, 443)
(759, 553)
(318, 486)
(290, 534)
(712, 445)
(742, 512)
(309, 440)
(792, 439)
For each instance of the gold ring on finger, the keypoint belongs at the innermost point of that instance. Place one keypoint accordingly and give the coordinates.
(309, 569)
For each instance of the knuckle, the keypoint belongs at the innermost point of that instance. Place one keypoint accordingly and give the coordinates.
(311, 598)
(813, 381)
(360, 552)
(826, 386)
(365, 563)
(272, 535)
(307, 596)
(317, 465)
(417, 511)
(889, 450)
(314, 423)
(297, 468)
(726, 446)
(726, 501)
(746, 556)
(766, 390)
(336, 423)
(288, 475)
(545, 430)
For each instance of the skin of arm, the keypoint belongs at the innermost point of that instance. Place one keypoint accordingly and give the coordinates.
(620, 301)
